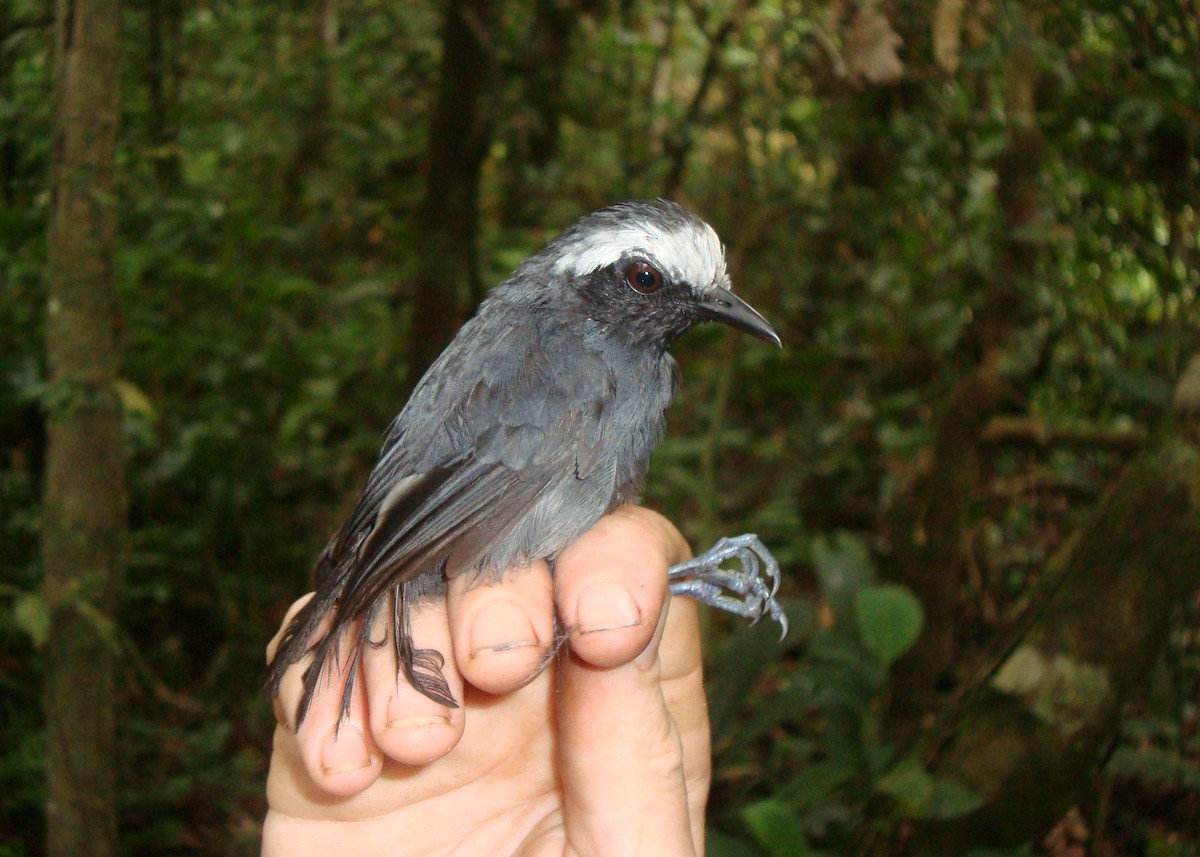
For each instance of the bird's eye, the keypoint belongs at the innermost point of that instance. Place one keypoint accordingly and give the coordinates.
(643, 278)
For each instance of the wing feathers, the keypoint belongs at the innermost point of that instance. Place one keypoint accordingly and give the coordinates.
(471, 475)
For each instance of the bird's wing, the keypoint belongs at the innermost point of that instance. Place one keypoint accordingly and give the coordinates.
(445, 494)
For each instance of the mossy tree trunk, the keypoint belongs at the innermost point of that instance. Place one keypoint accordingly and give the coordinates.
(83, 522)
(1031, 739)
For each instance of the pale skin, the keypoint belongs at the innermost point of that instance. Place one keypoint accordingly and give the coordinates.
(601, 751)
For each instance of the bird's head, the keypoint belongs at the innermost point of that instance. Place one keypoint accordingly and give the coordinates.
(647, 270)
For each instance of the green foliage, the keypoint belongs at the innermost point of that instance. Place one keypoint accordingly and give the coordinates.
(918, 794)
(806, 731)
(889, 620)
(776, 828)
(32, 615)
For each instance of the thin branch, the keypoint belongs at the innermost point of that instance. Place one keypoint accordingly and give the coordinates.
(677, 145)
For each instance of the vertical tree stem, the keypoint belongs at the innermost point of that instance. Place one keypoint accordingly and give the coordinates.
(83, 523)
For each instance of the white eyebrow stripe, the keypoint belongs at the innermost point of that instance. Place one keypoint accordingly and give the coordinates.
(694, 256)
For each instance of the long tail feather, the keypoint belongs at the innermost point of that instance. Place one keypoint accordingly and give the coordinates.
(421, 667)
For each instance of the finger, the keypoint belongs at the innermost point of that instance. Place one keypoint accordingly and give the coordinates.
(622, 759)
(291, 688)
(611, 584)
(273, 645)
(504, 631)
(338, 752)
(405, 724)
(683, 690)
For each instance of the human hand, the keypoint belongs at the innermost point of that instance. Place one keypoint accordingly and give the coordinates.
(603, 750)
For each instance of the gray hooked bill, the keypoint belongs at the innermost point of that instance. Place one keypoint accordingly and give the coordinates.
(724, 306)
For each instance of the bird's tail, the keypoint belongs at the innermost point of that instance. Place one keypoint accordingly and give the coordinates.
(343, 644)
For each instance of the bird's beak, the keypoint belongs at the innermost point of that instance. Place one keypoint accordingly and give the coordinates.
(724, 306)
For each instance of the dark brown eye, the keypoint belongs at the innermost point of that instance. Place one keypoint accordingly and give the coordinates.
(643, 278)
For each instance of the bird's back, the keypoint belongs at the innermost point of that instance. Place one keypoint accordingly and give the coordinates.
(532, 428)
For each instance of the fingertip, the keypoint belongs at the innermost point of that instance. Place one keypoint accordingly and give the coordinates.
(336, 747)
(345, 762)
(413, 729)
(612, 584)
(656, 527)
(504, 631)
(608, 624)
(405, 724)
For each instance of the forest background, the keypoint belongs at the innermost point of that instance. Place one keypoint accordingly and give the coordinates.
(974, 224)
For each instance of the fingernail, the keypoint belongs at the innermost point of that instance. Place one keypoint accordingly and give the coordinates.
(345, 749)
(605, 607)
(400, 715)
(417, 722)
(501, 625)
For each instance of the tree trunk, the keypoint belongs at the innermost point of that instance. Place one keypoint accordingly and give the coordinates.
(1030, 740)
(930, 526)
(447, 280)
(83, 522)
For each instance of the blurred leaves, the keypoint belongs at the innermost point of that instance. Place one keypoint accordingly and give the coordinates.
(918, 794)
(889, 619)
(32, 615)
(777, 829)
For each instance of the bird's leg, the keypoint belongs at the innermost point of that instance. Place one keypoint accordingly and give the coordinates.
(748, 591)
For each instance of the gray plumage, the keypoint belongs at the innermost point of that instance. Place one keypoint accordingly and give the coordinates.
(539, 418)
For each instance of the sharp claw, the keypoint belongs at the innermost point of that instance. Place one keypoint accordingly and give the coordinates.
(740, 591)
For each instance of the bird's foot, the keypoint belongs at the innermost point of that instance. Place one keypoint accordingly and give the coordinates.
(748, 591)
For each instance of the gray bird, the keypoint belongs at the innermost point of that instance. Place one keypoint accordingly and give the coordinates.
(537, 420)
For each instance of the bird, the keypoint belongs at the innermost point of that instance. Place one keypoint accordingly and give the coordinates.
(538, 419)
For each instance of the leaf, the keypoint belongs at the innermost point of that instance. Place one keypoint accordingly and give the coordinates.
(843, 566)
(951, 799)
(32, 615)
(846, 674)
(909, 784)
(889, 620)
(133, 400)
(815, 784)
(1157, 765)
(919, 794)
(776, 828)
